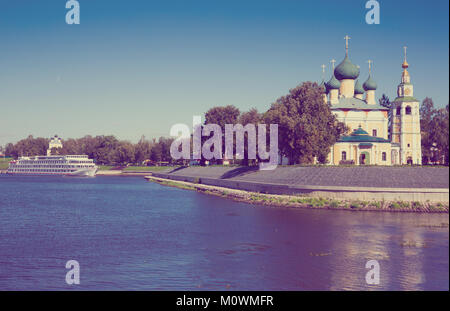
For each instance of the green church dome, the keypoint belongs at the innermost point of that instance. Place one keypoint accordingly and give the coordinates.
(346, 70)
(322, 86)
(333, 84)
(359, 131)
(358, 88)
(370, 84)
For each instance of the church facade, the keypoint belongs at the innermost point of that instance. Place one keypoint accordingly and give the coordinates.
(377, 135)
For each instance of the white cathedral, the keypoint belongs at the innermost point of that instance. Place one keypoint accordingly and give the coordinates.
(378, 135)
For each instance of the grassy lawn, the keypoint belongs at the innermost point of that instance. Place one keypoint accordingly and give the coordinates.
(147, 168)
(4, 163)
(104, 167)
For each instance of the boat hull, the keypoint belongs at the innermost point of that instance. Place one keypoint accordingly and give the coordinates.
(78, 173)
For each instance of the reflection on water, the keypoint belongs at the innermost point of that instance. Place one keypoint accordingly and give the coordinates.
(130, 234)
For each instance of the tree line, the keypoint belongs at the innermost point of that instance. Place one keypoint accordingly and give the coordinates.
(103, 149)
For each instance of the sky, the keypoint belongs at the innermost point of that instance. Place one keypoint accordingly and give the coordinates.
(133, 68)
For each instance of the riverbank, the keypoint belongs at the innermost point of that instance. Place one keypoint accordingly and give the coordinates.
(132, 170)
(411, 184)
(296, 201)
(121, 173)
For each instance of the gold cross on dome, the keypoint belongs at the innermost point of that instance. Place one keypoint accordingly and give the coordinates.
(332, 63)
(370, 65)
(346, 44)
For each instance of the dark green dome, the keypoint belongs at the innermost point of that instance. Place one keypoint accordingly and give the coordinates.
(358, 88)
(333, 84)
(370, 84)
(359, 131)
(322, 86)
(346, 70)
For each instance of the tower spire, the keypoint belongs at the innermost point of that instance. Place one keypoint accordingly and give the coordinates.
(370, 66)
(405, 74)
(405, 63)
(346, 44)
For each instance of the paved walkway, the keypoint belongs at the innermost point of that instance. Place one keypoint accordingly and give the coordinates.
(395, 177)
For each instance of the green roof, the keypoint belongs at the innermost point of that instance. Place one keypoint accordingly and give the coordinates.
(370, 84)
(359, 131)
(346, 70)
(361, 136)
(333, 84)
(322, 86)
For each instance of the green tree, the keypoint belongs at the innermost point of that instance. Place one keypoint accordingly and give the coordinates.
(29, 146)
(221, 116)
(124, 153)
(306, 126)
(160, 151)
(386, 102)
(439, 133)
(142, 150)
(427, 112)
(156, 153)
(104, 149)
(249, 117)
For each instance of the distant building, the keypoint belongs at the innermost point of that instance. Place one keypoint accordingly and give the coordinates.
(55, 142)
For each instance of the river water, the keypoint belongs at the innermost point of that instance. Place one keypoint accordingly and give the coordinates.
(130, 234)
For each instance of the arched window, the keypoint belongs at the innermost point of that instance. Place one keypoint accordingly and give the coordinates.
(399, 109)
(383, 156)
(344, 156)
(408, 110)
(374, 133)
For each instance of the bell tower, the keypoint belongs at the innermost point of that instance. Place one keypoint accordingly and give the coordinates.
(405, 125)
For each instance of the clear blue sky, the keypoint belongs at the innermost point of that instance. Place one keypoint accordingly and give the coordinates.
(135, 68)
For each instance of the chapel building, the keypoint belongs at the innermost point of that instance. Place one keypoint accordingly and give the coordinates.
(377, 135)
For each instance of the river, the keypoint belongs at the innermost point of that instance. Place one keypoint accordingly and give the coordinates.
(130, 234)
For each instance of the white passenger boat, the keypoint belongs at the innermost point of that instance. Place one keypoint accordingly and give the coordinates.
(70, 165)
(74, 165)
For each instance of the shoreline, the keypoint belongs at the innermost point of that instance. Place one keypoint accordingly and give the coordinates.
(296, 201)
(422, 185)
(121, 173)
(101, 173)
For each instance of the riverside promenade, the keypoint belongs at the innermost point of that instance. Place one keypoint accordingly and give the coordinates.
(421, 184)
